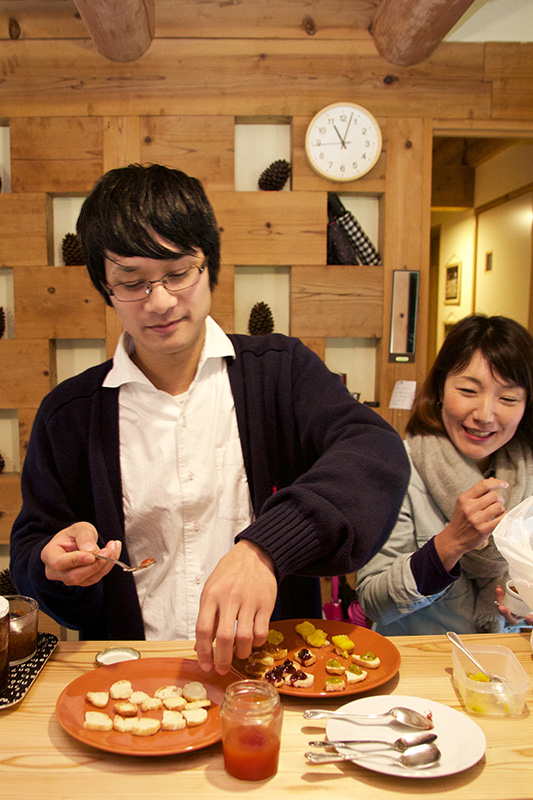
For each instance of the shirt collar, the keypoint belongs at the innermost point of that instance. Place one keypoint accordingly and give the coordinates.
(216, 345)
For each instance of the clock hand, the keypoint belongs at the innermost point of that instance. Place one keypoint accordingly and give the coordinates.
(343, 143)
(348, 125)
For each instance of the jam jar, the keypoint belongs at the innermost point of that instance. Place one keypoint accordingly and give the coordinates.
(251, 717)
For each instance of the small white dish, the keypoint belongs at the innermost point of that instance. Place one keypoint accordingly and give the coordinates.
(461, 741)
(514, 602)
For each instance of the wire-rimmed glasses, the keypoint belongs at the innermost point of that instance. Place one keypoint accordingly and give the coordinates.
(174, 282)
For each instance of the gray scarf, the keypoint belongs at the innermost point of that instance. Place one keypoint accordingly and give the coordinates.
(447, 474)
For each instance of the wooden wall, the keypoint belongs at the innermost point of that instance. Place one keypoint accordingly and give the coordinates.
(73, 114)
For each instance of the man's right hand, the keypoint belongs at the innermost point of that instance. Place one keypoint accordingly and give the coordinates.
(69, 556)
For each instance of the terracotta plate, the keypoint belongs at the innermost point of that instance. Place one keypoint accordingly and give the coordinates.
(146, 674)
(364, 640)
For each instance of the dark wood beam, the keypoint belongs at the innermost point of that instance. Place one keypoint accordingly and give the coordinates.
(407, 32)
(122, 30)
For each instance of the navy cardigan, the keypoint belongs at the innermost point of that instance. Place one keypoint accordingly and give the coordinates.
(327, 476)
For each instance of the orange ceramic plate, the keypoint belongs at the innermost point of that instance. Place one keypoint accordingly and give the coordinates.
(364, 640)
(146, 674)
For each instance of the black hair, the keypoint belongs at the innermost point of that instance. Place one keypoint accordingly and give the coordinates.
(508, 349)
(128, 205)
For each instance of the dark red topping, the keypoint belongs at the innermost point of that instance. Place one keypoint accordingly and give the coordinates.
(298, 676)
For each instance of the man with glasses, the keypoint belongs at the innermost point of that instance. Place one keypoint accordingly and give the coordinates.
(241, 464)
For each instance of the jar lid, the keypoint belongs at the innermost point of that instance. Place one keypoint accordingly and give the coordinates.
(4, 606)
(113, 655)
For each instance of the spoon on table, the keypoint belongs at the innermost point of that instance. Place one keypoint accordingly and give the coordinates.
(458, 642)
(407, 716)
(125, 567)
(402, 743)
(423, 755)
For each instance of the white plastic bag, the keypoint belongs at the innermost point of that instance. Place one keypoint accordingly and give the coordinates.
(513, 537)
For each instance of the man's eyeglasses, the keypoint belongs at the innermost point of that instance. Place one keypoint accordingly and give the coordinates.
(174, 282)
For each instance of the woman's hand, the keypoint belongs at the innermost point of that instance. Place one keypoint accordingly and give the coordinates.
(476, 514)
(68, 556)
(512, 619)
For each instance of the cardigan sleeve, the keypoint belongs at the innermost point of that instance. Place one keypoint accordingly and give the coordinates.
(338, 469)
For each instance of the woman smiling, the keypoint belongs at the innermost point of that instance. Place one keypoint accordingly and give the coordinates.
(469, 443)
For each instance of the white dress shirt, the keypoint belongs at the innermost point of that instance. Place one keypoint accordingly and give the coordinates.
(185, 490)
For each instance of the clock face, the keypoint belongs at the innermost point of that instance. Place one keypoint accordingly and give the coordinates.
(343, 142)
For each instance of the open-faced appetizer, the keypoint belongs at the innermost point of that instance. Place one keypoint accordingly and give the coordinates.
(334, 683)
(312, 636)
(305, 657)
(367, 660)
(334, 667)
(343, 645)
(354, 673)
(300, 679)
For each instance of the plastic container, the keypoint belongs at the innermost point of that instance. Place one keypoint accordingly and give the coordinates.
(251, 717)
(491, 698)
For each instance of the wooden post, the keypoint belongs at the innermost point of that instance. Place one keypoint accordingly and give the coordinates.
(406, 32)
(122, 30)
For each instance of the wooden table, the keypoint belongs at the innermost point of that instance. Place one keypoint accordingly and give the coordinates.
(39, 760)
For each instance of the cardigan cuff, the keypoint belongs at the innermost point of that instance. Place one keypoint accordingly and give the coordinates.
(428, 571)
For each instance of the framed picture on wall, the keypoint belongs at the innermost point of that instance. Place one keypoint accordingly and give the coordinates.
(452, 289)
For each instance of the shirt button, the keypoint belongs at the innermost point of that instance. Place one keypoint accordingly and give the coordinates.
(198, 579)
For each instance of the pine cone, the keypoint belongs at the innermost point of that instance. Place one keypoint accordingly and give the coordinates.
(274, 177)
(2, 322)
(261, 320)
(72, 255)
(6, 584)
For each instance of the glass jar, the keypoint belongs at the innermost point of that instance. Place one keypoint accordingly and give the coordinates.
(4, 644)
(251, 717)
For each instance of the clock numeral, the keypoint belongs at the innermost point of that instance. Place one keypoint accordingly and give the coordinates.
(322, 130)
(354, 164)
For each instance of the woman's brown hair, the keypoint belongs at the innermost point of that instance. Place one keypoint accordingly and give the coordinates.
(505, 344)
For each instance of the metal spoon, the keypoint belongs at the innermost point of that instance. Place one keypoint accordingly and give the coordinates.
(407, 716)
(401, 744)
(424, 755)
(458, 642)
(125, 567)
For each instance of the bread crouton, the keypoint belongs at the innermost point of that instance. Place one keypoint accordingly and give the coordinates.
(172, 721)
(97, 721)
(194, 691)
(145, 726)
(98, 699)
(126, 709)
(120, 690)
(123, 724)
(194, 716)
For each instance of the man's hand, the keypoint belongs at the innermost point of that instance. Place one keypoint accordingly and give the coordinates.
(68, 556)
(235, 606)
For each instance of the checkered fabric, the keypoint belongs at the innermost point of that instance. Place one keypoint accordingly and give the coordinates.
(365, 249)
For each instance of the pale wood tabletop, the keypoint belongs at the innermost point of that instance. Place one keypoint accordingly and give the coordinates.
(39, 759)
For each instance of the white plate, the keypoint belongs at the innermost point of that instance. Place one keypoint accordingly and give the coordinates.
(461, 741)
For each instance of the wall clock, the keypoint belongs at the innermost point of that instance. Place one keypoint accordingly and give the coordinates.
(343, 142)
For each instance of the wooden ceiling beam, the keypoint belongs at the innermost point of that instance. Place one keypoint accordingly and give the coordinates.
(407, 32)
(122, 30)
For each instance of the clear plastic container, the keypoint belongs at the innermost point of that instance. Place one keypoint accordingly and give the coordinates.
(491, 698)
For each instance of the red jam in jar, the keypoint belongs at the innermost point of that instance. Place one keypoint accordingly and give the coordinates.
(251, 717)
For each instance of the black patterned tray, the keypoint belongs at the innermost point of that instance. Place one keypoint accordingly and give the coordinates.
(22, 676)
